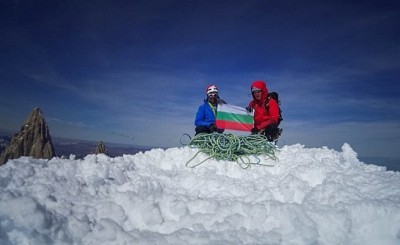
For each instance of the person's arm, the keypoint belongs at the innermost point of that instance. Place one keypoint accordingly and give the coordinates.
(200, 117)
(273, 115)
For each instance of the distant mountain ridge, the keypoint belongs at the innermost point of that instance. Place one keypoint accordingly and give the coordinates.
(80, 148)
(64, 147)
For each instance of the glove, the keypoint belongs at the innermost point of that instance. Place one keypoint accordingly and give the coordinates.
(249, 109)
(213, 128)
(220, 102)
(254, 130)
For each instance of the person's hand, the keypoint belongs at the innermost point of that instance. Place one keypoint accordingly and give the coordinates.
(249, 109)
(220, 102)
(213, 128)
(254, 130)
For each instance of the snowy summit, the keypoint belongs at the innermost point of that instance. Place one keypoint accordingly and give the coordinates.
(309, 196)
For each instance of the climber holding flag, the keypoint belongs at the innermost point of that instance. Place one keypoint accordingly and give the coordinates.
(266, 111)
(207, 112)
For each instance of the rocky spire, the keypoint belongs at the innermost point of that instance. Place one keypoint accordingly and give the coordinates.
(101, 148)
(33, 140)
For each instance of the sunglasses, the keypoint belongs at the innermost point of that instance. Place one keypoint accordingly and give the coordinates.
(212, 94)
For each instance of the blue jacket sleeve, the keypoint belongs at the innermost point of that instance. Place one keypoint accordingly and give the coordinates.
(203, 118)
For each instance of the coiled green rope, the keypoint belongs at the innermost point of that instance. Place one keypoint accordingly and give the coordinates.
(232, 148)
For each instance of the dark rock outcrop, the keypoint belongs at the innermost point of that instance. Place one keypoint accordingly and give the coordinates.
(101, 148)
(33, 140)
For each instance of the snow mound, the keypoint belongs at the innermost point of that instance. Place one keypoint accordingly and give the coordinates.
(309, 196)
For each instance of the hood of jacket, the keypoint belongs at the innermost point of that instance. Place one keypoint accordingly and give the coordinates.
(260, 85)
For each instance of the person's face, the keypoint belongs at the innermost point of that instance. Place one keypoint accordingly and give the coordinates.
(212, 97)
(257, 95)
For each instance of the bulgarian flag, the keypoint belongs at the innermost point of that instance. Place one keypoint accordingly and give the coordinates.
(234, 118)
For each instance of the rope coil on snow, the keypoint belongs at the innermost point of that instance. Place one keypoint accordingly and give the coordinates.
(232, 148)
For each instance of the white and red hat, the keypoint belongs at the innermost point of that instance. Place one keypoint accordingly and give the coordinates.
(211, 89)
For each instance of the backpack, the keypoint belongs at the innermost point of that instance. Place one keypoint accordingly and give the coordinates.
(275, 96)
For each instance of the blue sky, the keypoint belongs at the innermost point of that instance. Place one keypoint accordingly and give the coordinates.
(135, 72)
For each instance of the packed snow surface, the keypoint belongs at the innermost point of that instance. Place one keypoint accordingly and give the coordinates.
(309, 196)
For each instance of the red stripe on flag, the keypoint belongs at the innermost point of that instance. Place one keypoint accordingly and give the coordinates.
(233, 125)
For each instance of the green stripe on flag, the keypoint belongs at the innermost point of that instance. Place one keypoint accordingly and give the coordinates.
(234, 117)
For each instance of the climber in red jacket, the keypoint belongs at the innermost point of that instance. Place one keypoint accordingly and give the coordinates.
(266, 111)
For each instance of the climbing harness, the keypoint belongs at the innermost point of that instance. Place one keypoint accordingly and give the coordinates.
(232, 148)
